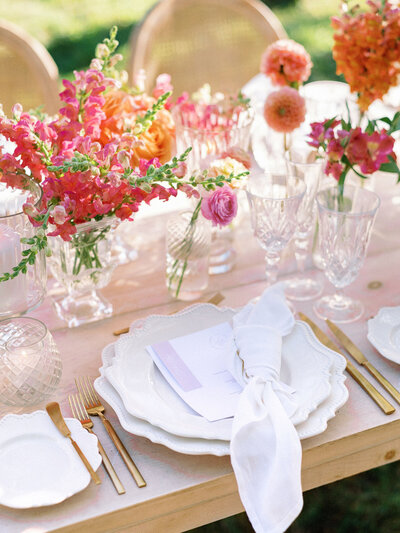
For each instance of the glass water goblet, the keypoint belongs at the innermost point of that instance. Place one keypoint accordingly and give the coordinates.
(274, 203)
(302, 287)
(345, 224)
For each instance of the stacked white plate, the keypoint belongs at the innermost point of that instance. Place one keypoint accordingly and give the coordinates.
(146, 405)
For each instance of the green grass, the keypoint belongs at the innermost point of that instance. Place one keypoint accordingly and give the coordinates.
(70, 29)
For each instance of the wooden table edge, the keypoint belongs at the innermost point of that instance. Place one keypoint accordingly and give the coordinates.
(216, 499)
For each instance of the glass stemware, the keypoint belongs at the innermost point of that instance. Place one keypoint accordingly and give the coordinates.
(274, 203)
(345, 224)
(302, 287)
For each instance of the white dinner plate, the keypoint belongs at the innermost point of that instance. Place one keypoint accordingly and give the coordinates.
(146, 394)
(384, 332)
(315, 424)
(38, 466)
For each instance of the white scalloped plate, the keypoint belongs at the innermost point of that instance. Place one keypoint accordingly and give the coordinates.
(305, 366)
(384, 333)
(38, 466)
(315, 424)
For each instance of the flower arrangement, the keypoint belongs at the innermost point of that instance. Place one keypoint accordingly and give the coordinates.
(367, 49)
(362, 150)
(211, 112)
(106, 152)
(288, 65)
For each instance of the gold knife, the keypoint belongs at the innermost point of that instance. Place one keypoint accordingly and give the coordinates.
(54, 412)
(386, 407)
(362, 360)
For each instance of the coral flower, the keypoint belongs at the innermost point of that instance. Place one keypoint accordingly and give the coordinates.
(286, 63)
(284, 110)
(121, 110)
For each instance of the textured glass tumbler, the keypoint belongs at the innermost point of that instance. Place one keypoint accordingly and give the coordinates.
(30, 365)
(302, 287)
(345, 224)
(218, 134)
(188, 249)
(274, 203)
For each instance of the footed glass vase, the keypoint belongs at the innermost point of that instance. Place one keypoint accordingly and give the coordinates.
(82, 266)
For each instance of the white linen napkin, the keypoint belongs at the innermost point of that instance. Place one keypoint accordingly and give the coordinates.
(265, 448)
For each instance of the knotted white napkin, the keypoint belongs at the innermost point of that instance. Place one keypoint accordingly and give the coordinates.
(265, 448)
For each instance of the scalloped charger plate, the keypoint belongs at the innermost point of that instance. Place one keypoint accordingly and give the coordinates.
(38, 466)
(306, 366)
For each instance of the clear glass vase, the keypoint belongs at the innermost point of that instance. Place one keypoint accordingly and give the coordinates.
(26, 291)
(188, 249)
(82, 266)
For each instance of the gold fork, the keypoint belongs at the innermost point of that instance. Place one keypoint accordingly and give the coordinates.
(79, 412)
(95, 408)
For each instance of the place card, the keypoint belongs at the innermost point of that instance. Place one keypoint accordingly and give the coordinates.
(197, 368)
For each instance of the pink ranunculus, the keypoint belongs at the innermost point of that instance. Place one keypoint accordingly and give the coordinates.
(220, 206)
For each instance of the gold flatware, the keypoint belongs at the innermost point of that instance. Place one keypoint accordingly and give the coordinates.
(386, 407)
(54, 412)
(95, 408)
(215, 300)
(79, 412)
(355, 352)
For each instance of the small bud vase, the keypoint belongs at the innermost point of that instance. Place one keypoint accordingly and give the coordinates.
(188, 249)
(82, 266)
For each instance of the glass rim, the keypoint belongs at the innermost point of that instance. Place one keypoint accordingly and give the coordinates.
(36, 204)
(313, 163)
(249, 111)
(30, 319)
(291, 197)
(370, 212)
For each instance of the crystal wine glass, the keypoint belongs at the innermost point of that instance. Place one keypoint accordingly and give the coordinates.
(345, 224)
(274, 203)
(302, 287)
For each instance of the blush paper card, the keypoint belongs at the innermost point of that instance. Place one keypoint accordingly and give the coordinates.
(196, 366)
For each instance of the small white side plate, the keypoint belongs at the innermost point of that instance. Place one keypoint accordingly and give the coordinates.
(38, 466)
(384, 333)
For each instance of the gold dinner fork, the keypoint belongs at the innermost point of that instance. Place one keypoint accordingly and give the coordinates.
(79, 412)
(95, 408)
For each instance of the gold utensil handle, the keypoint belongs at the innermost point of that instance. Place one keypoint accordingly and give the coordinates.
(121, 331)
(110, 470)
(137, 476)
(386, 407)
(383, 381)
(93, 474)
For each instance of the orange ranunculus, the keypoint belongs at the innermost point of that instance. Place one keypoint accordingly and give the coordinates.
(121, 110)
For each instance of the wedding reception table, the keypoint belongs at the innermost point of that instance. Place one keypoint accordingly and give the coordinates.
(187, 491)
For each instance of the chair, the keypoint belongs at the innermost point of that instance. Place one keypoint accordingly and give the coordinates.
(200, 41)
(28, 74)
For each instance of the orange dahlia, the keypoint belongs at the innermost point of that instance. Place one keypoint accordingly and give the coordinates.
(284, 110)
(286, 63)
